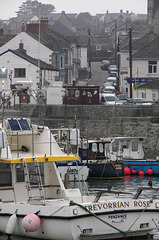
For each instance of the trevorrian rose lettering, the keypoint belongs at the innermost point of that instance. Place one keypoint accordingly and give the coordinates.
(102, 206)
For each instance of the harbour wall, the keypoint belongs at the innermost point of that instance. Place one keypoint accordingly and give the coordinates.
(95, 121)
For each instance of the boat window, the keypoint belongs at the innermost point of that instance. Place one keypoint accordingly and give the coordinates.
(74, 149)
(94, 147)
(20, 173)
(115, 146)
(106, 146)
(100, 147)
(134, 146)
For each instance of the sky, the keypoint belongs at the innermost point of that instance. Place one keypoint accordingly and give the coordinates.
(8, 7)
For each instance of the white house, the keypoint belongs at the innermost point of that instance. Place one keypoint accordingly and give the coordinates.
(17, 66)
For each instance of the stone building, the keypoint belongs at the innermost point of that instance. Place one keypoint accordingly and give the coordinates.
(153, 14)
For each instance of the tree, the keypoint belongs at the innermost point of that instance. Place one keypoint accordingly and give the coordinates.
(35, 7)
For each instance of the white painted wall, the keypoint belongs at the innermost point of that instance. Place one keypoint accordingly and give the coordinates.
(33, 47)
(55, 94)
(140, 69)
(84, 57)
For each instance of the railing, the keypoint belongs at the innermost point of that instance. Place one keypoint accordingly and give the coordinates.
(17, 145)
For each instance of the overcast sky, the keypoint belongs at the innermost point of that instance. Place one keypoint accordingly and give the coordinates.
(8, 7)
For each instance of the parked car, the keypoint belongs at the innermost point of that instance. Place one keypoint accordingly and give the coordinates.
(113, 74)
(110, 99)
(109, 89)
(156, 102)
(123, 97)
(112, 68)
(112, 80)
(105, 64)
(138, 101)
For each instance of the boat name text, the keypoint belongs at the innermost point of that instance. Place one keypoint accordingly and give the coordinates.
(116, 205)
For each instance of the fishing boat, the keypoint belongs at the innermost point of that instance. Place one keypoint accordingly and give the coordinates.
(69, 142)
(97, 154)
(44, 208)
(131, 151)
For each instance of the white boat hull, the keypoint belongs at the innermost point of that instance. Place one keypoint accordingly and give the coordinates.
(75, 171)
(105, 220)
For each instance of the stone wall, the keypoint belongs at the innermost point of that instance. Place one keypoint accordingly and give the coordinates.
(101, 121)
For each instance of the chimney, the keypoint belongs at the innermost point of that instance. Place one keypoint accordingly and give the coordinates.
(44, 24)
(151, 33)
(33, 26)
(23, 27)
(21, 45)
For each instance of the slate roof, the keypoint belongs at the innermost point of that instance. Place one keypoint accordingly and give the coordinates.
(62, 29)
(5, 39)
(149, 50)
(52, 39)
(139, 43)
(22, 54)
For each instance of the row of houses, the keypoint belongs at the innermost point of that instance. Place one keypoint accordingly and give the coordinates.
(145, 67)
(43, 56)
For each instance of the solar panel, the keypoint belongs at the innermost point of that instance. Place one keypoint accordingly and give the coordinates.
(19, 124)
(14, 125)
(24, 124)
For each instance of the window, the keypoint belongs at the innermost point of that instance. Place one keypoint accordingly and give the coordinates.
(62, 62)
(153, 96)
(115, 146)
(19, 72)
(69, 58)
(78, 52)
(152, 67)
(134, 146)
(143, 94)
(98, 47)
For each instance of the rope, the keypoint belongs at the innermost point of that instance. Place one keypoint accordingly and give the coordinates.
(94, 215)
(139, 216)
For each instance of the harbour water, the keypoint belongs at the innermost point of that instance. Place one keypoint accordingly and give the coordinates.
(127, 184)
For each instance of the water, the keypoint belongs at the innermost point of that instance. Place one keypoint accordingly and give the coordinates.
(127, 184)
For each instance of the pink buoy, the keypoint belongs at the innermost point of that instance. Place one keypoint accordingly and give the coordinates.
(31, 222)
(141, 173)
(127, 171)
(150, 171)
(134, 171)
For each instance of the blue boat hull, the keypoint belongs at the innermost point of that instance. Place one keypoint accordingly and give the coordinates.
(142, 165)
(108, 170)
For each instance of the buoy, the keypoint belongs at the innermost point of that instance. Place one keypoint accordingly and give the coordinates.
(11, 224)
(31, 222)
(141, 173)
(150, 171)
(127, 171)
(134, 171)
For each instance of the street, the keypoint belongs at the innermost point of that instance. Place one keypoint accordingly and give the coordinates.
(98, 76)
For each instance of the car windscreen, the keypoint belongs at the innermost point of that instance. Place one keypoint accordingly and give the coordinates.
(111, 98)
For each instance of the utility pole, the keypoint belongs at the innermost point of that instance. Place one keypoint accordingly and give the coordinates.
(130, 59)
(118, 54)
(115, 40)
(89, 54)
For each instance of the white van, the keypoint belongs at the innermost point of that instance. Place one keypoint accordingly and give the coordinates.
(109, 99)
(112, 80)
(108, 89)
